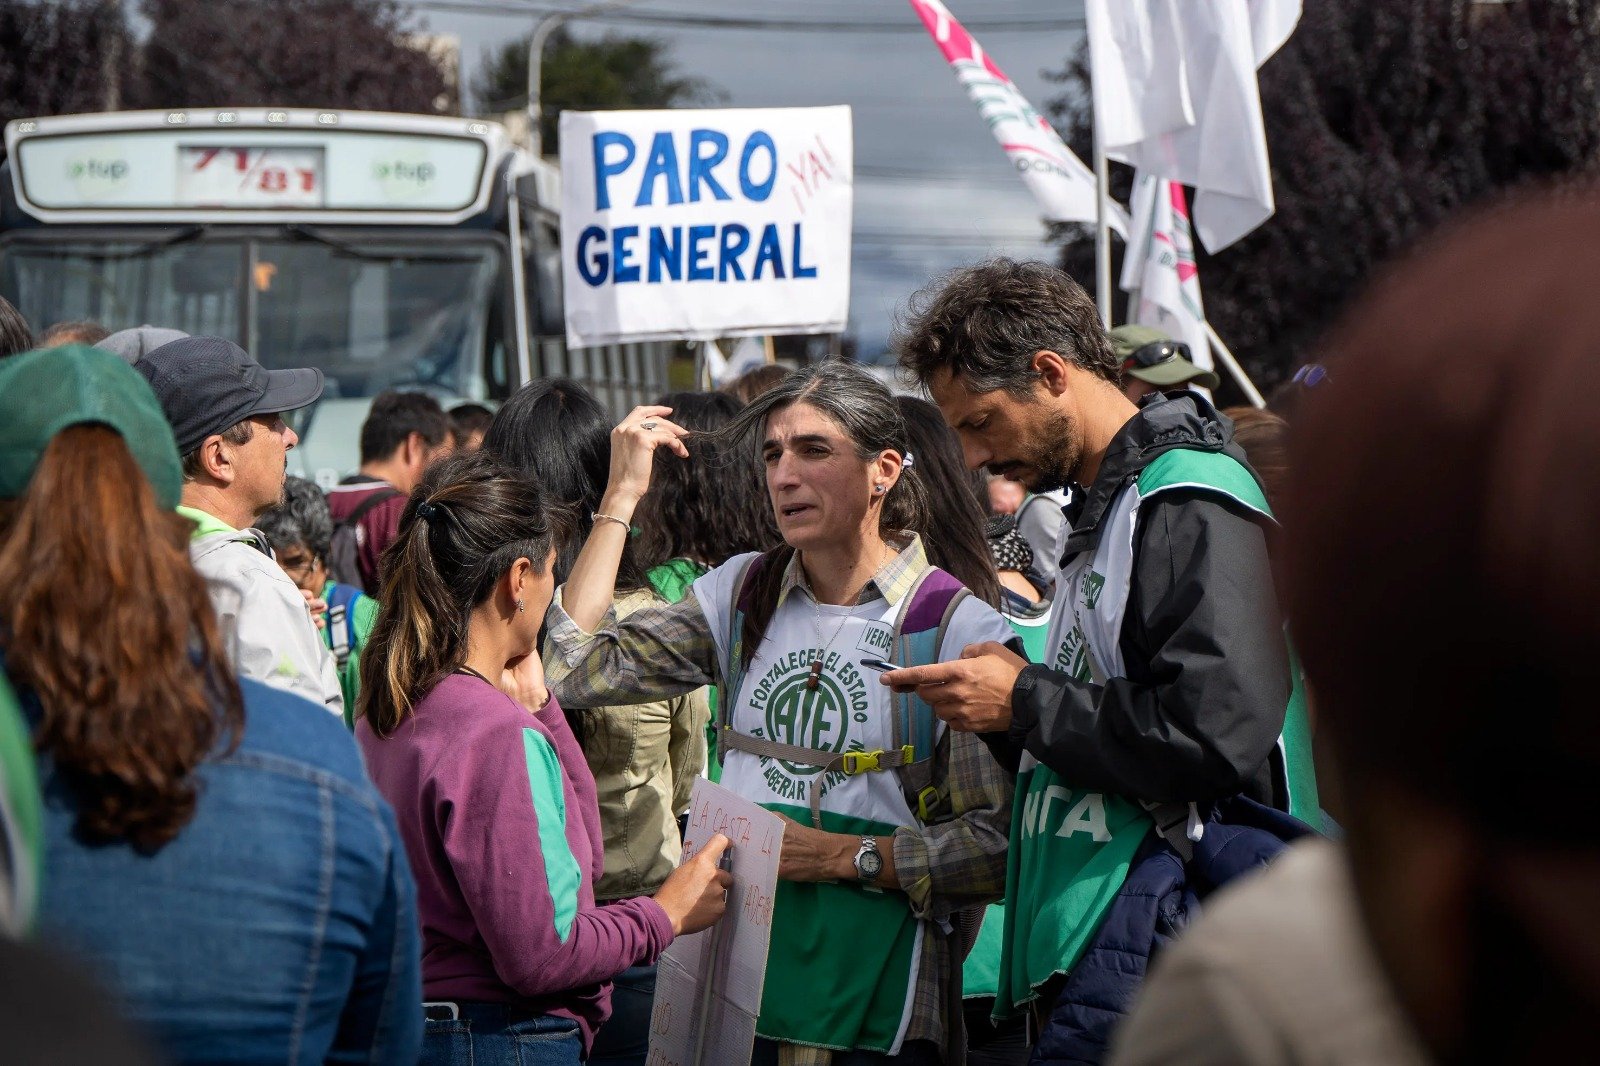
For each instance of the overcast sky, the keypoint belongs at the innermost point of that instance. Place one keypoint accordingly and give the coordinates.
(932, 189)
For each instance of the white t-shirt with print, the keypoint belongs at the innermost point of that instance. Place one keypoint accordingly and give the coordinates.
(849, 710)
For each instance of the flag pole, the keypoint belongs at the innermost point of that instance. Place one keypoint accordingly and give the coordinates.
(1102, 231)
(1245, 384)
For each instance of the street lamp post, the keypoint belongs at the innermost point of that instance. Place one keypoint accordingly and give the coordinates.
(542, 30)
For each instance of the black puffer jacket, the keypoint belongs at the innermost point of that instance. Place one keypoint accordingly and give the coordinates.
(1198, 715)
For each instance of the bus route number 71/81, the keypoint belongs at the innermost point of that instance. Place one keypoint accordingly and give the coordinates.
(229, 176)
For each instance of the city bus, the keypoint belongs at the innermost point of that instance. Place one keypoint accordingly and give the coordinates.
(391, 251)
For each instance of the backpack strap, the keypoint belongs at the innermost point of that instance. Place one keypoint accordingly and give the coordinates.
(1179, 824)
(342, 621)
(733, 676)
(360, 510)
(848, 763)
(919, 632)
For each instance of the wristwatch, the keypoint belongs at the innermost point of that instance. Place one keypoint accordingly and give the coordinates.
(869, 861)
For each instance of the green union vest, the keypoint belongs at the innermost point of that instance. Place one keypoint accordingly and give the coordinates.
(1071, 848)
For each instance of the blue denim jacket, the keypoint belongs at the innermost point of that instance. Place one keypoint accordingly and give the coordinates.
(280, 926)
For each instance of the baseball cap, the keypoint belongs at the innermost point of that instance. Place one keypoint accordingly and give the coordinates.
(1151, 356)
(132, 344)
(45, 392)
(208, 384)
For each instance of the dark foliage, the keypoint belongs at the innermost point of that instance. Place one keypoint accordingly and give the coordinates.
(293, 53)
(78, 56)
(57, 58)
(613, 72)
(1384, 119)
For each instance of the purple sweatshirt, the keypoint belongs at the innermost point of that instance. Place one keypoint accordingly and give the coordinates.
(497, 810)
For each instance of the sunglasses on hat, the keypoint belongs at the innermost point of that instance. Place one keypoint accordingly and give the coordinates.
(1155, 353)
(1311, 375)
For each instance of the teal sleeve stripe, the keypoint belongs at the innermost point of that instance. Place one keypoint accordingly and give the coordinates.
(21, 812)
(561, 873)
(1208, 471)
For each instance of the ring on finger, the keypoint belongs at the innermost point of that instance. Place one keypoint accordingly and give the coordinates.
(647, 425)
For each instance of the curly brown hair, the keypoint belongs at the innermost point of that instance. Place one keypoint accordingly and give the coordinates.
(711, 506)
(984, 323)
(106, 621)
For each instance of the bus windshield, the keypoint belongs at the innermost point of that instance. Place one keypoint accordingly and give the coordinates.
(373, 313)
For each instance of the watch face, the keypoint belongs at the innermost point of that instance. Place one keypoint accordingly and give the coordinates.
(869, 864)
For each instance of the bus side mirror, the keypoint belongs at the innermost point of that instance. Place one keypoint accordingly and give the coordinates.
(544, 280)
(541, 258)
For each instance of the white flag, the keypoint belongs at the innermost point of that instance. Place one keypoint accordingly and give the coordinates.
(1159, 265)
(716, 363)
(1059, 181)
(748, 353)
(1176, 96)
(1271, 23)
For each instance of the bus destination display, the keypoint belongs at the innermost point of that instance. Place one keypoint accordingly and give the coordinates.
(239, 176)
(222, 175)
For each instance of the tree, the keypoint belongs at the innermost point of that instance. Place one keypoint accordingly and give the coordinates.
(290, 53)
(59, 58)
(613, 72)
(1384, 119)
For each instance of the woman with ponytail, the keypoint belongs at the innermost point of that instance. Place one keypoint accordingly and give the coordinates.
(897, 826)
(495, 802)
(211, 845)
(646, 756)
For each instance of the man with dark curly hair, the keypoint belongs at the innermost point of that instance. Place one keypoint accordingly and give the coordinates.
(1166, 676)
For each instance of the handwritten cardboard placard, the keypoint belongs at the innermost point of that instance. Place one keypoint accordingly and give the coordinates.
(709, 984)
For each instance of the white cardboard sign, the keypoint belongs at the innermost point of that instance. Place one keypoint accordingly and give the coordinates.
(696, 224)
(709, 984)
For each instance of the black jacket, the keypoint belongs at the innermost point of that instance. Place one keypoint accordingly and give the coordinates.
(1198, 715)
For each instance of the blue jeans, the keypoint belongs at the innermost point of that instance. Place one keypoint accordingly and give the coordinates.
(624, 1040)
(493, 1034)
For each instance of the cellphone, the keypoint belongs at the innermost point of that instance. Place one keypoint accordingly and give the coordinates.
(879, 665)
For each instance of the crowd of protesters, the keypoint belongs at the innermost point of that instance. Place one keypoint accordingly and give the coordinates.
(1032, 669)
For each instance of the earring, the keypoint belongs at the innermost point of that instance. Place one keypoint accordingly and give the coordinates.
(520, 605)
(879, 490)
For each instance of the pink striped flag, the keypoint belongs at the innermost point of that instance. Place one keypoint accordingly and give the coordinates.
(1062, 185)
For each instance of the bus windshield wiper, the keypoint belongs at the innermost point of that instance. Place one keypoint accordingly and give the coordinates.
(138, 251)
(342, 249)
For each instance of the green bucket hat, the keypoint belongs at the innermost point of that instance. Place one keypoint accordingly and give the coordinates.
(42, 393)
(1163, 363)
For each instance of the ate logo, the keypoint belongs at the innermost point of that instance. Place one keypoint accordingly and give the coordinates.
(810, 717)
(829, 718)
(1092, 584)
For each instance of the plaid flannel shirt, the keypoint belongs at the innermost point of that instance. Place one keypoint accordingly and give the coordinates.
(955, 864)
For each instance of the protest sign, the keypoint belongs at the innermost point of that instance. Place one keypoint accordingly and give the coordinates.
(692, 225)
(709, 984)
